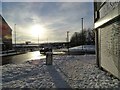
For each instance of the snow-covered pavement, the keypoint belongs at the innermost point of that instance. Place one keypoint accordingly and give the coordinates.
(67, 71)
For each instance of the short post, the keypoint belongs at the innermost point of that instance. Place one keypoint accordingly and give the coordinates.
(49, 58)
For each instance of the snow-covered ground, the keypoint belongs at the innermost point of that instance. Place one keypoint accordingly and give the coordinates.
(67, 71)
(82, 49)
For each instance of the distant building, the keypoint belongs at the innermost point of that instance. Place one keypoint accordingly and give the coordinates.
(6, 35)
(107, 33)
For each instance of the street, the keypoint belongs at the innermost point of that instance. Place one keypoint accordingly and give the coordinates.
(22, 57)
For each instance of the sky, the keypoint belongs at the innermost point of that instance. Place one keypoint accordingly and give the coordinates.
(46, 21)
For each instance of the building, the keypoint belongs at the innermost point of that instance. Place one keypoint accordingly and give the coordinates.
(107, 35)
(6, 35)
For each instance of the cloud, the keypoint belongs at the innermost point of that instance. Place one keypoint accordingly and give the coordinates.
(56, 17)
(51, 0)
(0, 7)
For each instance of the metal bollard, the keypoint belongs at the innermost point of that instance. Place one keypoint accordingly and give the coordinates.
(49, 58)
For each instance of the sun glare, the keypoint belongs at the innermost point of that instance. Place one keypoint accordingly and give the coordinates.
(38, 30)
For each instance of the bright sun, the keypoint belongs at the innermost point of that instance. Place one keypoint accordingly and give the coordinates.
(38, 30)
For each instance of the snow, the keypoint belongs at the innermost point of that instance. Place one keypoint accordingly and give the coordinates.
(75, 71)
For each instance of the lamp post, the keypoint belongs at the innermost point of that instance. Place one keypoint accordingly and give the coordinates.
(38, 40)
(15, 34)
(82, 32)
(68, 41)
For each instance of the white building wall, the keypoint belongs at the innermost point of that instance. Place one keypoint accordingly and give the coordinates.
(110, 48)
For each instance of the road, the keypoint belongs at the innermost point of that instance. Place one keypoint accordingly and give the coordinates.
(22, 57)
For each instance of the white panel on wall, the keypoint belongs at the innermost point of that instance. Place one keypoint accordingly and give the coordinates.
(110, 48)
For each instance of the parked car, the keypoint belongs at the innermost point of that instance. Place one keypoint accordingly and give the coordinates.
(83, 49)
(45, 49)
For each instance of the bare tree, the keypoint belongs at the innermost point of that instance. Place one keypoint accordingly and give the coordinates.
(79, 38)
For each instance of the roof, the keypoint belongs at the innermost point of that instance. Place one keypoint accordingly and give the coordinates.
(3, 20)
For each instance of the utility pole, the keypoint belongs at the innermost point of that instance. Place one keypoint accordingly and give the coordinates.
(82, 33)
(15, 34)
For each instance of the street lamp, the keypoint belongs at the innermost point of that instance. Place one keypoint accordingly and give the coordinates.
(67, 36)
(82, 32)
(38, 40)
(68, 41)
(15, 34)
